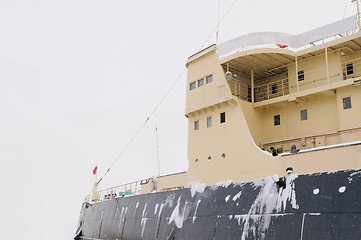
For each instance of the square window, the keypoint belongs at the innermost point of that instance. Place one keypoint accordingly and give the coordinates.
(303, 115)
(274, 88)
(349, 68)
(277, 120)
(196, 125)
(301, 75)
(192, 85)
(209, 79)
(209, 122)
(200, 82)
(223, 117)
(346, 102)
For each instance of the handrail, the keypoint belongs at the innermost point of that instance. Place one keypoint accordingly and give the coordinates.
(265, 91)
(124, 190)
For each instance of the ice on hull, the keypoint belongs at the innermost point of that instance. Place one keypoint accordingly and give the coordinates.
(248, 210)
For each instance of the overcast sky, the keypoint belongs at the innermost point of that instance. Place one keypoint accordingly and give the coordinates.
(78, 78)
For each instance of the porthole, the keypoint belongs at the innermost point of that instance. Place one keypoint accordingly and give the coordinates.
(223, 156)
(196, 161)
(209, 158)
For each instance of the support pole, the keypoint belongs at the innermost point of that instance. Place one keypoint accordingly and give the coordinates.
(95, 187)
(252, 85)
(298, 86)
(95, 192)
(327, 72)
(358, 13)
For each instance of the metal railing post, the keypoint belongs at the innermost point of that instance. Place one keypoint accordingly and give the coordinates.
(327, 73)
(252, 85)
(298, 86)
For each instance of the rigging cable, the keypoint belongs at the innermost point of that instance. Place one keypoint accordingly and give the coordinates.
(142, 126)
(219, 22)
(156, 136)
(240, 17)
(344, 11)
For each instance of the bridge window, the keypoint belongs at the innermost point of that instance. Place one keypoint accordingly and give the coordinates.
(196, 125)
(274, 88)
(301, 75)
(223, 117)
(209, 79)
(303, 115)
(346, 102)
(277, 120)
(349, 68)
(200, 82)
(192, 85)
(209, 122)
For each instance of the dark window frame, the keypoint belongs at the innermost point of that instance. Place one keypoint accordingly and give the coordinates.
(304, 115)
(274, 88)
(277, 120)
(209, 124)
(346, 102)
(301, 75)
(349, 69)
(200, 82)
(209, 79)
(196, 125)
(192, 86)
(222, 117)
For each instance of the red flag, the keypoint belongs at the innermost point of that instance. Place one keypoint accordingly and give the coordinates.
(95, 170)
(282, 46)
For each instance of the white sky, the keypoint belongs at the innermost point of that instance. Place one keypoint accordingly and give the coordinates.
(78, 78)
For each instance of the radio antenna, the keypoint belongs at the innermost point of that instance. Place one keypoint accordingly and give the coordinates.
(358, 13)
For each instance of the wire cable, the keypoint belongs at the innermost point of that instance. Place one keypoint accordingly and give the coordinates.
(219, 22)
(156, 136)
(240, 17)
(144, 123)
(344, 11)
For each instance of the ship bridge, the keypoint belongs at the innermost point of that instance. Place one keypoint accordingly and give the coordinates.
(263, 70)
(266, 68)
(273, 91)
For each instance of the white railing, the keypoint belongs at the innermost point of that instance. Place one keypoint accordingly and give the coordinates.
(352, 72)
(240, 90)
(271, 90)
(279, 87)
(125, 190)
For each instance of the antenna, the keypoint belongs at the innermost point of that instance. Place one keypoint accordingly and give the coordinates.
(156, 135)
(358, 13)
(217, 32)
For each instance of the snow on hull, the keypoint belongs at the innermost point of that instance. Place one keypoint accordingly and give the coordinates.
(326, 205)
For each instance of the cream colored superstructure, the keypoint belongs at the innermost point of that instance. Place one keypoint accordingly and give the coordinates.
(284, 82)
(241, 105)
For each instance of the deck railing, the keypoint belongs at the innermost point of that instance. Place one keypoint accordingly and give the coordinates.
(269, 88)
(124, 190)
(240, 90)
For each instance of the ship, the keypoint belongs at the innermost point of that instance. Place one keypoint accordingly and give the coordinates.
(274, 147)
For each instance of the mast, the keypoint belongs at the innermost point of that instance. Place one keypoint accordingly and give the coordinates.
(217, 32)
(358, 13)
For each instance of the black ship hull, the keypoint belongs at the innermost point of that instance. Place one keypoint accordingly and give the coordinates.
(315, 206)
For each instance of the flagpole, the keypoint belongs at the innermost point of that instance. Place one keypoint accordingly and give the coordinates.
(95, 188)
